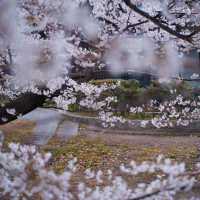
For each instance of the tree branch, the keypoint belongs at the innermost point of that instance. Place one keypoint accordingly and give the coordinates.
(21, 106)
(157, 192)
(24, 104)
(134, 25)
(157, 22)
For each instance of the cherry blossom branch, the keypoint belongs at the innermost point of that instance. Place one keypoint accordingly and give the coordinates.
(24, 104)
(157, 192)
(197, 30)
(191, 174)
(107, 21)
(157, 22)
(134, 25)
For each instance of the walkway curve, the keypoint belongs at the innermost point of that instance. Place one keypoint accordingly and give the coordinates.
(95, 124)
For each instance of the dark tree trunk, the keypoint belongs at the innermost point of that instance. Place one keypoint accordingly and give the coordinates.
(22, 105)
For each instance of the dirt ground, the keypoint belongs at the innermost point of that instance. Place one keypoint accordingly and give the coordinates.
(106, 145)
(106, 150)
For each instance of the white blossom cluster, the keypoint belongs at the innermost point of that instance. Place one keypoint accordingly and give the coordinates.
(90, 94)
(38, 59)
(136, 109)
(118, 18)
(109, 119)
(24, 175)
(179, 111)
(43, 41)
(66, 23)
(174, 113)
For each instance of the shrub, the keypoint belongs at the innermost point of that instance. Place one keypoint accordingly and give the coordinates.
(73, 107)
(157, 92)
(130, 86)
(106, 81)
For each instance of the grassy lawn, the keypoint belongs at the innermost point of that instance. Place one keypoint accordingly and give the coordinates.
(18, 131)
(98, 153)
(107, 150)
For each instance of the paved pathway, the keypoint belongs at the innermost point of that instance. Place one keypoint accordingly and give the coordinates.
(48, 123)
(66, 129)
